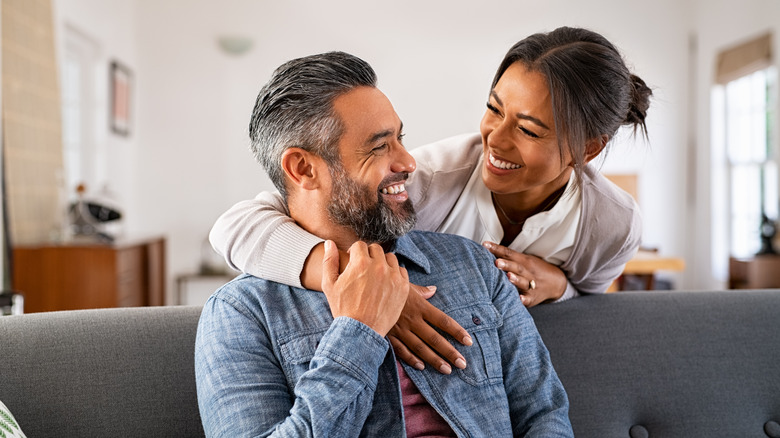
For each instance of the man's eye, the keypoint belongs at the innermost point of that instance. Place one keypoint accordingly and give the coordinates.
(380, 148)
(401, 138)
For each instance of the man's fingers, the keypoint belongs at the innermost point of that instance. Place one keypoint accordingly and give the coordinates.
(425, 292)
(330, 265)
(376, 251)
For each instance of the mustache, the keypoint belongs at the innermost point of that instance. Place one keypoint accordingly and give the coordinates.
(393, 179)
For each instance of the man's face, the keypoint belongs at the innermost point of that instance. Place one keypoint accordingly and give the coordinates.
(368, 194)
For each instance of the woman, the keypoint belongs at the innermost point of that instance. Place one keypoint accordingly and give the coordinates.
(522, 186)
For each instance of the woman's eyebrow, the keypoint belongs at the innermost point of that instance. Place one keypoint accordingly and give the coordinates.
(522, 116)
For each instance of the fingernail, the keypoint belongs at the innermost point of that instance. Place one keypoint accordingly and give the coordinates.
(512, 277)
(431, 288)
(487, 245)
(460, 363)
(328, 245)
(445, 369)
(467, 340)
(500, 263)
(419, 365)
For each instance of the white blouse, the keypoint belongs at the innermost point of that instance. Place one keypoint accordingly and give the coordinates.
(549, 235)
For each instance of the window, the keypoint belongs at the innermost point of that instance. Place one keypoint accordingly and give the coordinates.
(80, 151)
(744, 118)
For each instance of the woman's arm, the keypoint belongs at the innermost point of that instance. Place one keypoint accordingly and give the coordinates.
(258, 237)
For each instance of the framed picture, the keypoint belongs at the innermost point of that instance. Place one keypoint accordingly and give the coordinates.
(121, 83)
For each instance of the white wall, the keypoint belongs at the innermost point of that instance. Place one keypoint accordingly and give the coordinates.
(111, 25)
(188, 159)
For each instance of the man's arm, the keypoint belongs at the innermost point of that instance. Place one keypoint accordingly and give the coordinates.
(242, 387)
(538, 403)
(243, 391)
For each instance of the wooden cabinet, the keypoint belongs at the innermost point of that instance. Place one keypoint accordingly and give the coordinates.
(89, 276)
(758, 272)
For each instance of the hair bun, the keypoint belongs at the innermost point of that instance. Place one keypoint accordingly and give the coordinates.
(640, 102)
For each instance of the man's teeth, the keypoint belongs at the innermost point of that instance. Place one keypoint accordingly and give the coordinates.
(502, 164)
(394, 190)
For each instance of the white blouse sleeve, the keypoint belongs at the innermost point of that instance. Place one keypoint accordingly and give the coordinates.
(257, 236)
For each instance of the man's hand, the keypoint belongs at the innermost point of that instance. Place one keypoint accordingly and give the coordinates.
(372, 288)
(536, 280)
(413, 337)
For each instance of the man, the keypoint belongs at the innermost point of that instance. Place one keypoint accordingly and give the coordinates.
(277, 360)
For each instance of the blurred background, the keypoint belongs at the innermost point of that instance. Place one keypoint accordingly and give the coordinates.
(145, 104)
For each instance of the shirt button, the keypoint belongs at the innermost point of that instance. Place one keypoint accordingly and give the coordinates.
(476, 319)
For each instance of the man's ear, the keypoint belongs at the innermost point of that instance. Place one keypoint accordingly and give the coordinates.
(302, 168)
(594, 147)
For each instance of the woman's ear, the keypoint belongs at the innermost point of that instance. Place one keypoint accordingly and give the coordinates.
(302, 168)
(594, 147)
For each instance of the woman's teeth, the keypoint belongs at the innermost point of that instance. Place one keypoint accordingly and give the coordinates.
(502, 164)
(394, 190)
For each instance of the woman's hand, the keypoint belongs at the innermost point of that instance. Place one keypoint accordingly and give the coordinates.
(536, 280)
(415, 341)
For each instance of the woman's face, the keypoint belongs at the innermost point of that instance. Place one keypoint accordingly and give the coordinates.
(519, 139)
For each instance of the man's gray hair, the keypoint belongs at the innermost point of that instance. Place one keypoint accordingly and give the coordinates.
(295, 109)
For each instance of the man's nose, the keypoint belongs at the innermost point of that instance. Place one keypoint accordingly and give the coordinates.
(403, 161)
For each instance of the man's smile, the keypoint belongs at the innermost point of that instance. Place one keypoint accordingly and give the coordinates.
(394, 189)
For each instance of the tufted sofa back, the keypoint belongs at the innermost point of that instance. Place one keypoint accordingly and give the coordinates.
(635, 364)
(668, 364)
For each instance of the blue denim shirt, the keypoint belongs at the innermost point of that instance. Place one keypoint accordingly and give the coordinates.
(271, 360)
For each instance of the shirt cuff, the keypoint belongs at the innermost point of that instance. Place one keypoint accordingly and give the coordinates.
(355, 346)
(288, 238)
(569, 293)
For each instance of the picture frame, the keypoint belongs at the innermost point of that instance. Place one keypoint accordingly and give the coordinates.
(121, 87)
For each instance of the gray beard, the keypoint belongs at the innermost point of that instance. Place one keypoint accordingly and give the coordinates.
(374, 221)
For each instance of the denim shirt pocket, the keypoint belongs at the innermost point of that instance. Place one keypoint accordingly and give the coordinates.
(297, 352)
(483, 357)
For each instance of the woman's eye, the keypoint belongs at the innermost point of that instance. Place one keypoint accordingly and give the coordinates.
(528, 133)
(492, 109)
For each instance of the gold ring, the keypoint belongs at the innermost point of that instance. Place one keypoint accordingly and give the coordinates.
(531, 285)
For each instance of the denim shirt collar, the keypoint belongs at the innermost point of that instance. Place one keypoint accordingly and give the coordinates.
(406, 248)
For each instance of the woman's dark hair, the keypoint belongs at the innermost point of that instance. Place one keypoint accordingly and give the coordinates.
(592, 91)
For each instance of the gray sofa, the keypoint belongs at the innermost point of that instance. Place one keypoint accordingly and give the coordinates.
(635, 364)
